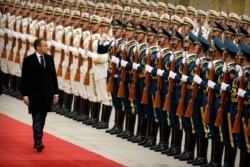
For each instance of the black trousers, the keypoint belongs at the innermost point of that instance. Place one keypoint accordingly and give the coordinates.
(38, 125)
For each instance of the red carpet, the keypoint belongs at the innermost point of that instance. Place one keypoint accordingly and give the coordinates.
(16, 149)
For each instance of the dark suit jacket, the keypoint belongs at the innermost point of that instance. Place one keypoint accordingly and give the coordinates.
(1, 82)
(39, 84)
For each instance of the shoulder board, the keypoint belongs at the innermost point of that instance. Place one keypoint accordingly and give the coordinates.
(178, 56)
(141, 50)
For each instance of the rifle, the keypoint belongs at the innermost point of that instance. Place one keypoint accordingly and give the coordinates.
(157, 100)
(237, 121)
(53, 48)
(59, 69)
(17, 58)
(45, 23)
(190, 107)
(27, 45)
(132, 92)
(87, 75)
(180, 108)
(167, 102)
(144, 99)
(4, 52)
(206, 115)
(113, 69)
(120, 92)
(219, 117)
(80, 58)
(11, 54)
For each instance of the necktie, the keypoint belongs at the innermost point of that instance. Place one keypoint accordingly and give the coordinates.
(42, 62)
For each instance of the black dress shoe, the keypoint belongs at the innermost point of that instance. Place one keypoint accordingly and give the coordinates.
(187, 156)
(40, 148)
(174, 151)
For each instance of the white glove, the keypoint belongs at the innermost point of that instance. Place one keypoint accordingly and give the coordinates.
(71, 49)
(114, 42)
(90, 54)
(159, 54)
(211, 84)
(148, 68)
(102, 40)
(115, 60)
(183, 60)
(172, 74)
(81, 51)
(52, 43)
(160, 72)
(171, 57)
(134, 50)
(238, 67)
(240, 73)
(135, 66)
(224, 86)
(197, 79)
(241, 92)
(184, 78)
(30, 38)
(124, 63)
(224, 68)
(210, 65)
(198, 61)
(147, 51)
(123, 47)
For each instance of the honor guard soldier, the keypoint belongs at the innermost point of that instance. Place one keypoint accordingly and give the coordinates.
(153, 6)
(135, 4)
(242, 35)
(164, 38)
(218, 30)
(144, 5)
(190, 51)
(187, 26)
(73, 61)
(117, 12)
(174, 96)
(108, 11)
(64, 61)
(101, 64)
(150, 61)
(181, 11)
(162, 8)
(165, 21)
(100, 9)
(176, 22)
(127, 14)
(245, 21)
(138, 67)
(125, 80)
(234, 20)
(136, 16)
(199, 101)
(145, 18)
(229, 33)
(171, 9)
(82, 6)
(241, 118)
(114, 50)
(91, 7)
(191, 13)
(230, 71)
(201, 21)
(95, 99)
(223, 17)
(212, 16)
(213, 94)
(154, 19)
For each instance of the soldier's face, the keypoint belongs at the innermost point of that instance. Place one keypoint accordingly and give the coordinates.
(162, 11)
(117, 32)
(137, 20)
(104, 29)
(76, 22)
(234, 24)
(85, 25)
(144, 21)
(191, 16)
(151, 39)
(129, 35)
(216, 33)
(165, 25)
(49, 18)
(127, 17)
(108, 14)
(95, 27)
(40, 15)
(58, 19)
(161, 41)
(117, 16)
(100, 13)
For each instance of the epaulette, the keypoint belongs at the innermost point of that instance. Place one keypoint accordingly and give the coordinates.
(218, 65)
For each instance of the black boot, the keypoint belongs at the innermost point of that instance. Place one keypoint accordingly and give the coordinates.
(126, 126)
(141, 131)
(185, 147)
(18, 88)
(218, 154)
(104, 124)
(95, 112)
(189, 155)
(84, 112)
(164, 139)
(131, 126)
(177, 143)
(137, 129)
(172, 143)
(152, 135)
(67, 109)
(115, 122)
(229, 156)
(146, 134)
(202, 145)
(59, 105)
(76, 107)
(120, 120)
(212, 155)
(244, 159)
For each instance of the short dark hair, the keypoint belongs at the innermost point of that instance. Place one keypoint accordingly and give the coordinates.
(38, 41)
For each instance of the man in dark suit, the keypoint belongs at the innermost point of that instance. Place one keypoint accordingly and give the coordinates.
(1, 83)
(39, 87)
